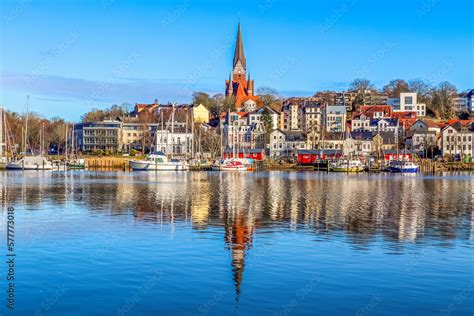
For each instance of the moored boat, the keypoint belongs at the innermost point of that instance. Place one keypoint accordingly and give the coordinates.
(231, 164)
(30, 163)
(402, 166)
(76, 164)
(158, 161)
(346, 165)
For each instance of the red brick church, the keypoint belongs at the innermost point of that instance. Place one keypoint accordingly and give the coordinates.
(241, 88)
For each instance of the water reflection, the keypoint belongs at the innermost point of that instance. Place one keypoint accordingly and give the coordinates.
(362, 208)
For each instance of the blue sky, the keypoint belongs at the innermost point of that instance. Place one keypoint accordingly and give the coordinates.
(71, 56)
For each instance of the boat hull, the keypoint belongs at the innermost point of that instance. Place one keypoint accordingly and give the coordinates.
(403, 170)
(347, 169)
(15, 166)
(150, 166)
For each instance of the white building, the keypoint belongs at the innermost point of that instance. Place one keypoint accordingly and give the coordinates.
(334, 118)
(408, 102)
(457, 139)
(286, 143)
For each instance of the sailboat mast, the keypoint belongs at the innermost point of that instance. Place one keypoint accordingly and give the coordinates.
(1, 131)
(172, 130)
(65, 144)
(26, 125)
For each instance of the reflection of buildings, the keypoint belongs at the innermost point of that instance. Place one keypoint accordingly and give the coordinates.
(359, 208)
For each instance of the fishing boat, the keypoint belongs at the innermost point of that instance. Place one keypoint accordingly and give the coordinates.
(231, 164)
(158, 161)
(347, 165)
(402, 166)
(30, 163)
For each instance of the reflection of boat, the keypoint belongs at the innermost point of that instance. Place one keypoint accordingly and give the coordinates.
(30, 163)
(232, 164)
(345, 165)
(402, 166)
(76, 164)
(159, 161)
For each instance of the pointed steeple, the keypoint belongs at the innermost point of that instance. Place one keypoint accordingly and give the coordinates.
(239, 54)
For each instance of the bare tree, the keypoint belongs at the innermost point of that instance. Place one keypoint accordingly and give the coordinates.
(443, 100)
(395, 87)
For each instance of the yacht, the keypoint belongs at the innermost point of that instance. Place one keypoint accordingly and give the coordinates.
(158, 161)
(232, 164)
(346, 165)
(402, 166)
(30, 163)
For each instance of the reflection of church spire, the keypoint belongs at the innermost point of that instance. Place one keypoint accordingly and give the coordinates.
(238, 237)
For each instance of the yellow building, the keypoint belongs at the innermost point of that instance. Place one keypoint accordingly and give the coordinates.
(200, 114)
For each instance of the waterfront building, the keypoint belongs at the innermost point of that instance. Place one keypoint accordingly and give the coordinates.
(334, 118)
(94, 136)
(384, 141)
(331, 140)
(284, 144)
(239, 85)
(136, 136)
(176, 141)
(358, 143)
(291, 115)
(312, 117)
(124, 134)
(408, 102)
(457, 139)
(312, 156)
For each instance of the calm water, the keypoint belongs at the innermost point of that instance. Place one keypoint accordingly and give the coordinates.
(270, 243)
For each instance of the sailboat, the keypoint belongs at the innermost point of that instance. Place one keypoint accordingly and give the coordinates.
(158, 161)
(75, 163)
(38, 162)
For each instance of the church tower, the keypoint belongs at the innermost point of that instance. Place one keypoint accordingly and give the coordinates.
(240, 63)
(238, 85)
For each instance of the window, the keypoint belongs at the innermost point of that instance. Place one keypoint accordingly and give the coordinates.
(408, 100)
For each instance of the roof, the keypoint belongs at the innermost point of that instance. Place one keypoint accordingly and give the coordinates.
(333, 109)
(458, 125)
(292, 135)
(400, 152)
(387, 137)
(362, 135)
(390, 121)
(318, 151)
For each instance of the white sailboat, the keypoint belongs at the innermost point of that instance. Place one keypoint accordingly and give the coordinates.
(158, 161)
(38, 162)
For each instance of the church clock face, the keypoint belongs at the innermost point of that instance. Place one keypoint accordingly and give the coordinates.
(239, 69)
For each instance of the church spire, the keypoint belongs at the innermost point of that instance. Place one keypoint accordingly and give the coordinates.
(239, 54)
